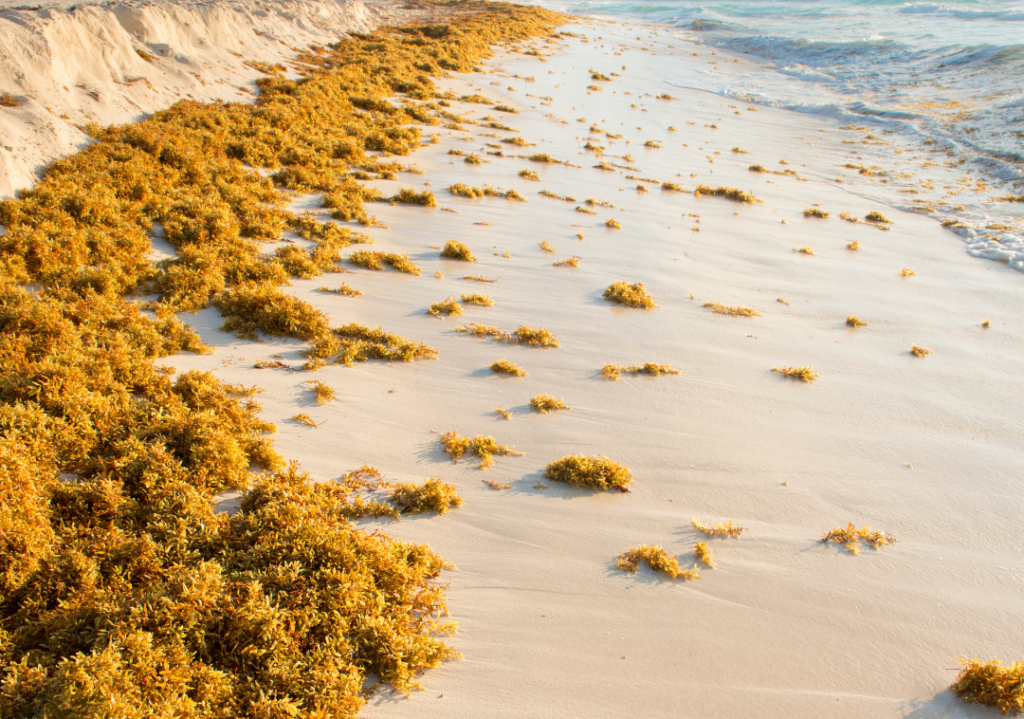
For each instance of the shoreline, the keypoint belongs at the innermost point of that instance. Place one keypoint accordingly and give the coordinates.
(548, 625)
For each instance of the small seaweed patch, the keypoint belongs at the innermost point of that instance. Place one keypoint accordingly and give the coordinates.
(529, 175)
(588, 472)
(484, 447)
(855, 321)
(506, 108)
(718, 530)
(849, 535)
(737, 311)
(730, 193)
(464, 190)
(433, 495)
(504, 413)
(503, 366)
(920, 351)
(672, 187)
(991, 684)
(526, 335)
(472, 159)
(613, 223)
(634, 295)
(455, 250)
(546, 246)
(409, 196)
(907, 272)
(9, 100)
(303, 418)
(446, 307)
(479, 278)
(498, 486)
(343, 290)
(853, 245)
(758, 168)
(657, 559)
(324, 393)
(356, 343)
(804, 374)
(703, 553)
(877, 217)
(478, 299)
(815, 212)
(585, 210)
(651, 369)
(568, 261)
(373, 260)
(986, 323)
(544, 403)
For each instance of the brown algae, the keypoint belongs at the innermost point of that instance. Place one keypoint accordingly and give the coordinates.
(433, 495)
(544, 403)
(651, 369)
(849, 535)
(484, 447)
(455, 250)
(634, 295)
(503, 366)
(737, 311)
(991, 684)
(656, 559)
(718, 530)
(804, 374)
(588, 472)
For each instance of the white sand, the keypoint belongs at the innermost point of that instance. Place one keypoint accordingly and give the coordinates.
(783, 627)
(72, 64)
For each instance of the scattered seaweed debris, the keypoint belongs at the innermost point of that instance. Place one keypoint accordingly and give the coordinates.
(782, 301)
(585, 210)
(588, 472)
(815, 212)
(594, 75)
(544, 403)
(479, 278)
(484, 447)
(877, 217)
(853, 245)
(546, 246)
(614, 371)
(506, 108)
(806, 250)
(324, 393)
(526, 335)
(855, 321)
(446, 307)
(478, 330)
(613, 223)
(433, 495)
(455, 250)
(805, 374)
(504, 413)
(704, 554)
(303, 418)
(991, 684)
(498, 486)
(464, 190)
(503, 366)
(758, 168)
(373, 260)
(529, 175)
(986, 323)
(478, 299)
(849, 535)
(721, 309)
(920, 351)
(657, 559)
(356, 343)
(634, 295)
(730, 193)
(907, 272)
(343, 290)
(9, 100)
(568, 261)
(672, 187)
(718, 530)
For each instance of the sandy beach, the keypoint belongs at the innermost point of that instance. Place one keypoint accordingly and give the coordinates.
(926, 449)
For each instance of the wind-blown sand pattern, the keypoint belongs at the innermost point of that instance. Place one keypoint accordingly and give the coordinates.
(785, 625)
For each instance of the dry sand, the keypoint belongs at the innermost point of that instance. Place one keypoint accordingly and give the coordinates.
(928, 450)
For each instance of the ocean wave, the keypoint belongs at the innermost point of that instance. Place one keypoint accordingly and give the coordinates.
(962, 14)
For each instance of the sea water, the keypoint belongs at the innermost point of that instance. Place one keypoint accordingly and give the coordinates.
(942, 81)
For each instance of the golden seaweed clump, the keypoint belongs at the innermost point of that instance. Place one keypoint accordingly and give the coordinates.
(703, 554)
(877, 217)
(849, 535)
(356, 343)
(478, 299)
(718, 530)
(568, 262)
(757, 168)
(585, 210)
(409, 196)
(344, 290)
(721, 309)
(920, 351)
(262, 306)
(446, 307)
(541, 157)
(455, 250)
(465, 190)
(303, 418)
(373, 260)
(324, 393)
(652, 369)
(672, 187)
(433, 495)
(529, 175)
(657, 559)
(815, 212)
(806, 250)
(634, 295)
(504, 413)
(730, 193)
(525, 335)
(484, 447)
(613, 223)
(472, 159)
(506, 108)
(853, 245)
(478, 330)
(478, 278)
(805, 374)
(907, 272)
(546, 246)
(854, 321)
(9, 100)
(588, 472)
(544, 403)
(986, 323)
(991, 684)
(503, 366)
